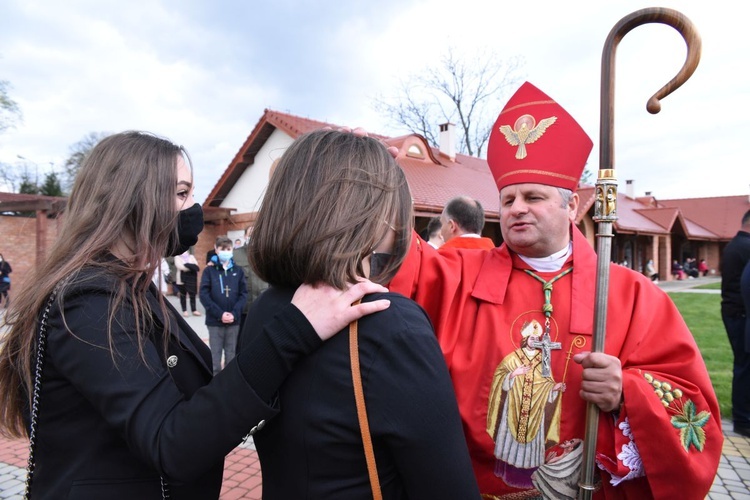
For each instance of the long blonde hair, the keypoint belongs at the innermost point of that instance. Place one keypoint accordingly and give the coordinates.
(124, 189)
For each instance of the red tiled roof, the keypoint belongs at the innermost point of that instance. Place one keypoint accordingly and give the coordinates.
(639, 215)
(433, 179)
(664, 217)
(719, 215)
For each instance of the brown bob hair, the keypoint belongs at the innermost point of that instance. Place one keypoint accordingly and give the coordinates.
(330, 201)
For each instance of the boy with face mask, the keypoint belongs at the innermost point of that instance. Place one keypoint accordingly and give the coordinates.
(223, 293)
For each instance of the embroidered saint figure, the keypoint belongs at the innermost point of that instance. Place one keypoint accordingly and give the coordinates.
(523, 414)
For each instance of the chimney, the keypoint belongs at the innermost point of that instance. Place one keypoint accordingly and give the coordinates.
(629, 189)
(447, 140)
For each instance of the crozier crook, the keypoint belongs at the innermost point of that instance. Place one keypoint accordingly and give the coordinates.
(605, 207)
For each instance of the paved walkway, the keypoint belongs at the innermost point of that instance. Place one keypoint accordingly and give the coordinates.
(242, 477)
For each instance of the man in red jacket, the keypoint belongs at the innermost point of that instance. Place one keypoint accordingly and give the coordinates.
(515, 326)
(462, 223)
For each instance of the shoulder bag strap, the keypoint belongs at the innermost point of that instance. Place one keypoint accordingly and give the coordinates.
(41, 347)
(364, 425)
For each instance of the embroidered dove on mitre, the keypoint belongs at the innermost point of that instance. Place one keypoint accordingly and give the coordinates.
(525, 131)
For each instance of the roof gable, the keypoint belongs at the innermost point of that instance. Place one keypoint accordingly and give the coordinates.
(433, 179)
(720, 215)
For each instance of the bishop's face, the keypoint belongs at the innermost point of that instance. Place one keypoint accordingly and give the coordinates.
(534, 220)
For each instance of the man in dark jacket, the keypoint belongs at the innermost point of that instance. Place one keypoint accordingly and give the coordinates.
(255, 285)
(733, 260)
(223, 294)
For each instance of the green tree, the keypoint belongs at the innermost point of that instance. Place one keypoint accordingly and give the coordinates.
(51, 186)
(10, 113)
(463, 91)
(78, 152)
(27, 185)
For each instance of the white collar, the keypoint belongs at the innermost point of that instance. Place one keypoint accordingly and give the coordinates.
(550, 263)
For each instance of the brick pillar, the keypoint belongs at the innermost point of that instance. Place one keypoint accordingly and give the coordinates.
(41, 236)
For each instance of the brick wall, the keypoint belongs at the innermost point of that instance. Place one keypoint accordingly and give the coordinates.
(18, 244)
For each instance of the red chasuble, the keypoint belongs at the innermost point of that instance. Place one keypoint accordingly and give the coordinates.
(482, 243)
(525, 429)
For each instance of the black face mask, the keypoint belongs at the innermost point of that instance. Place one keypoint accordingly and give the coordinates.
(189, 226)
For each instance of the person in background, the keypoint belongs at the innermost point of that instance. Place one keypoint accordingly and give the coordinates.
(5, 271)
(734, 258)
(187, 281)
(651, 271)
(515, 325)
(433, 236)
(690, 268)
(237, 243)
(745, 290)
(337, 209)
(462, 222)
(703, 268)
(223, 294)
(678, 272)
(255, 285)
(161, 276)
(126, 406)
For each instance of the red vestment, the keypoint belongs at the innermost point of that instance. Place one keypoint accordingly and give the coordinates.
(483, 304)
(481, 243)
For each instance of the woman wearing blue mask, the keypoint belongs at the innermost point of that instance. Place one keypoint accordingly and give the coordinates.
(223, 294)
(113, 388)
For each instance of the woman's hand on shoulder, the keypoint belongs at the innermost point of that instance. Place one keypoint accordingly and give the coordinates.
(329, 309)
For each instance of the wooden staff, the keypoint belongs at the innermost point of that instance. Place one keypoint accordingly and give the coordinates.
(605, 210)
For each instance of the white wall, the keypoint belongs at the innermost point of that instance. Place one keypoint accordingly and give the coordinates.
(247, 193)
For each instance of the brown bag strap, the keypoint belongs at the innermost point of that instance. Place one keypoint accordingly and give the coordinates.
(364, 425)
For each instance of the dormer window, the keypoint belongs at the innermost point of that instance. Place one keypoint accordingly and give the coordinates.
(415, 151)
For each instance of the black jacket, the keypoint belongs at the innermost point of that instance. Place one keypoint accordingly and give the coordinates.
(110, 425)
(733, 260)
(314, 450)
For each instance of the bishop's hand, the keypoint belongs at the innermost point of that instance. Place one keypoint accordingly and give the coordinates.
(601, 382)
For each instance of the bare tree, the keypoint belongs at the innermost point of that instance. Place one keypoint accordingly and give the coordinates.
(465, 92)
(78, 152)
(9, 110)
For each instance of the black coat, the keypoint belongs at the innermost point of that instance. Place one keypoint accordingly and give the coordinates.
(314, 450)
(733, 260)
(110, 425)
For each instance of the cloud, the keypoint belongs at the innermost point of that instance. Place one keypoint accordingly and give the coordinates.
(201, 74)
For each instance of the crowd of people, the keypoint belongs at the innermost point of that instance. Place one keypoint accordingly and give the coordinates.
(476, 362)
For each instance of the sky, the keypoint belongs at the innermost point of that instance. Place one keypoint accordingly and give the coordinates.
(201, 73)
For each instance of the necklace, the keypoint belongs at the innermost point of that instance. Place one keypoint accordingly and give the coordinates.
(546, 344)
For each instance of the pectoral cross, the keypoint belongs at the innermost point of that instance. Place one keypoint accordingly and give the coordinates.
(226, 290)
(545, 345)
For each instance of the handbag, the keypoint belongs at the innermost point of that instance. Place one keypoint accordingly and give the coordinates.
(364, 426)
(41, 346)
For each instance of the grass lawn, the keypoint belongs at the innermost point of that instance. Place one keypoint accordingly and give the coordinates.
(710, 286)
(702, 314)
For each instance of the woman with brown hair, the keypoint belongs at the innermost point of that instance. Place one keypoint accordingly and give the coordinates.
(110, 383)
(338, 209)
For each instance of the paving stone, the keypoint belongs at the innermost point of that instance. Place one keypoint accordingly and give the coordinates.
(719, 496)
(728, 474)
